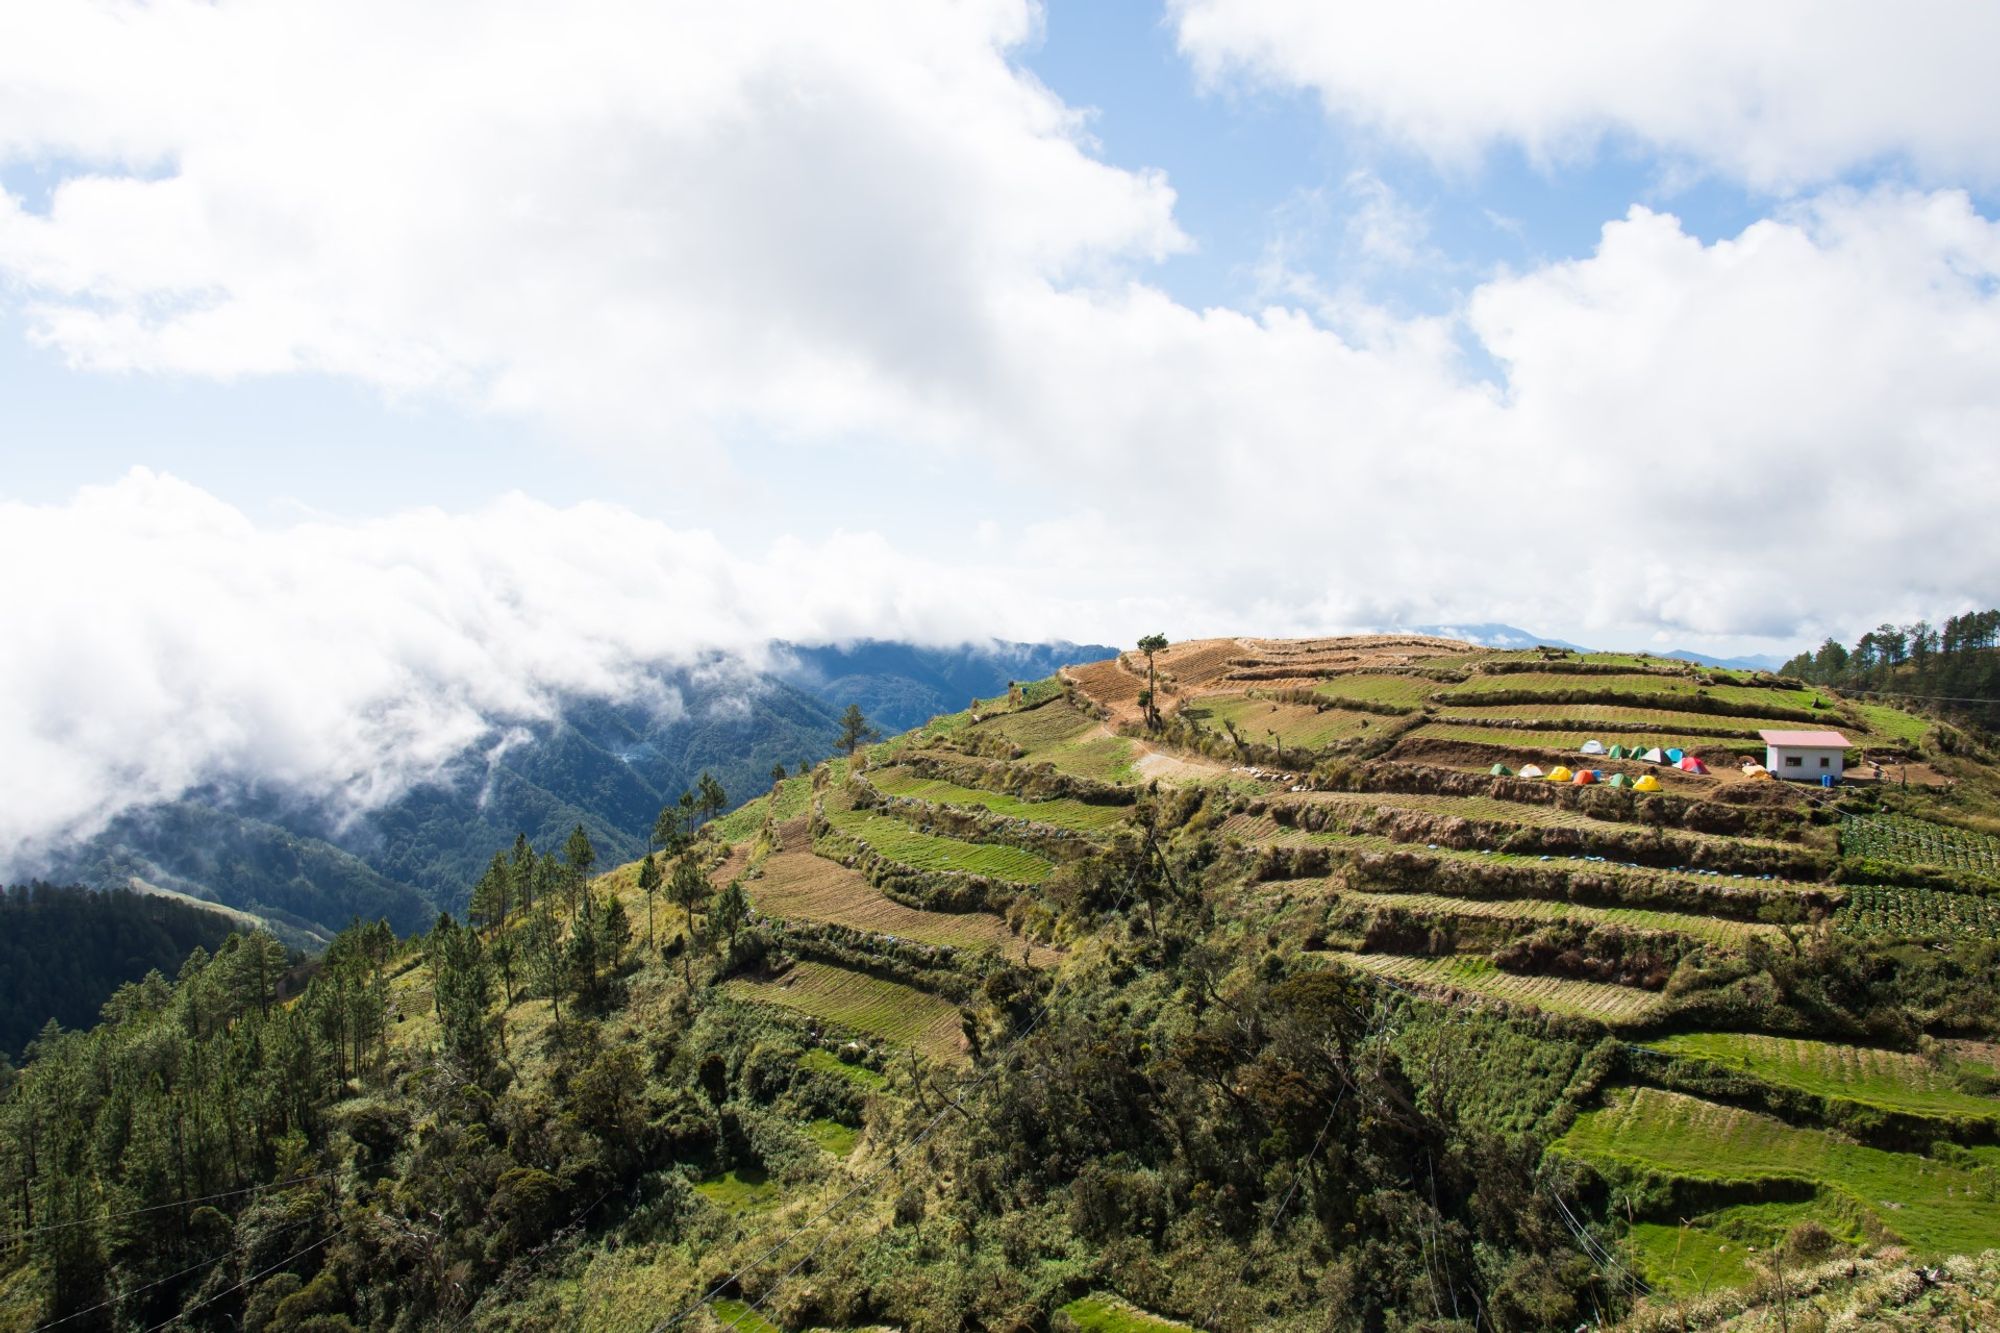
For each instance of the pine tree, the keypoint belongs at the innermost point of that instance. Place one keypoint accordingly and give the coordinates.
(649, 884)
(854, 730)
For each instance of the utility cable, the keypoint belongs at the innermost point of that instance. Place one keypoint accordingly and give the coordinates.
(228, 1291)
(209, 1262)
(9, 1237)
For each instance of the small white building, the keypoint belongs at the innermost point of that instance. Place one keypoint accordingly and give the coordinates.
(1804, 756)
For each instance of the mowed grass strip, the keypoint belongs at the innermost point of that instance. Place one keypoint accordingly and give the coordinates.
(805, 887)
(786, 800)
(1937, 1209)
(928, 851)
(861, 1003)
(1713, 930)
(1613, 1006)
(1891, 1080)
(1062, 812)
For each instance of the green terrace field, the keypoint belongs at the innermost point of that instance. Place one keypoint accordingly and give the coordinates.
(804, 887)
(1406, 691)
(861, 1003)
(1059, 735)
(1077, 816)
(1297, 725)
(1542, 911)
(1902, 913)
(1934, 1207)
(1908, 840)
(1890, 1080)
(904, 845)
(1473, 974)
(1569, 740)
(1749, 700)
(787, 800)
(1584, 715)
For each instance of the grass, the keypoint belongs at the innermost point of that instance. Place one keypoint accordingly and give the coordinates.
(1295, 724)
(927, 851)
(744, 1189)
(1491, 809)
(1538, 911)
(805, 887)
(1476, 975)
(1059, 735)
(1101, 1313)
(785, 801)
(1077, 816)
(826, 1062)
(860, 1003)
(831, 1135)
(1534, 739)
(1890, 723)
(1935, 1208)
(1889, 1080)
(741, 1317)
(1717, 1250)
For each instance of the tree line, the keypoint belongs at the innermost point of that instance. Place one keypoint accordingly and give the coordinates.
(1950, 668)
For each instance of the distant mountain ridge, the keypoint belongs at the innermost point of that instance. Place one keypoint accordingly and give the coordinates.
(608, 765)
(1490, 634)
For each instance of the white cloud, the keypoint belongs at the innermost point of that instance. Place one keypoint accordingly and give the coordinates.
(158, 640)
(660, 228)
(1779, 94)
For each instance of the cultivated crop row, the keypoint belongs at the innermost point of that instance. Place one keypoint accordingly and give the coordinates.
(1912, 914)
(1914, 841)
(1612, 1005)
(854, 1000)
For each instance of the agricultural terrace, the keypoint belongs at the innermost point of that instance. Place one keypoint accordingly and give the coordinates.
(892, 838)
(1752, 699)
(1475, 974)
(1546, 911)
(1567, 741)
(1256, 719)
(801, 886)
(863, 1004)
(1900, 913)
(1936, 1208)
(788, 800)
(1890, 1080)
(1059, 735)
(1604, 715)
(1907, 840)
(1364, 687)
(1062, 812)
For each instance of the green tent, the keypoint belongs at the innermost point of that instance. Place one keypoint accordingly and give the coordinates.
(1615, 752)
(1501, 771)
(1618, 780)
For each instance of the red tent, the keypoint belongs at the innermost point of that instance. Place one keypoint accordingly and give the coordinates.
(1692, 764)
(1584, 777)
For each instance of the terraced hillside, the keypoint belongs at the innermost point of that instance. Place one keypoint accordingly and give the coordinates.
(1306, 1006)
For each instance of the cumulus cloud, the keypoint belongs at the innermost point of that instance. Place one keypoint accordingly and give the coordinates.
(1778, 94)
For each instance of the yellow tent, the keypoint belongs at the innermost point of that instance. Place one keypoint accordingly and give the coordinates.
(1647, 783)
(1560, 774)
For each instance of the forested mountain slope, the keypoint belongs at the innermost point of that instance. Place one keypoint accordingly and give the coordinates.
(1284, 996)
(64, 950)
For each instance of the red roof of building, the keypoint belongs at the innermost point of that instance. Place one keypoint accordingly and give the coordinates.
(1824, 740)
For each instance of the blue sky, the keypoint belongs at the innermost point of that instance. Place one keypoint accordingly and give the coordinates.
(593, 337)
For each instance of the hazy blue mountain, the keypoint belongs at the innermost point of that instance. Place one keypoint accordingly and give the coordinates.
(1755, 662)
(608, 765)
(1490, 634)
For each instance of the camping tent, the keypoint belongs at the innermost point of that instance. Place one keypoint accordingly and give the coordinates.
(1653, 756)
(1619, 780)
(1592, 747)
(1530, 771)
(1501, 771)
(1584, 777)
(1560, 774)
(1692, 764)
(1646, 782)
(1674, 754)
(1615, 752)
